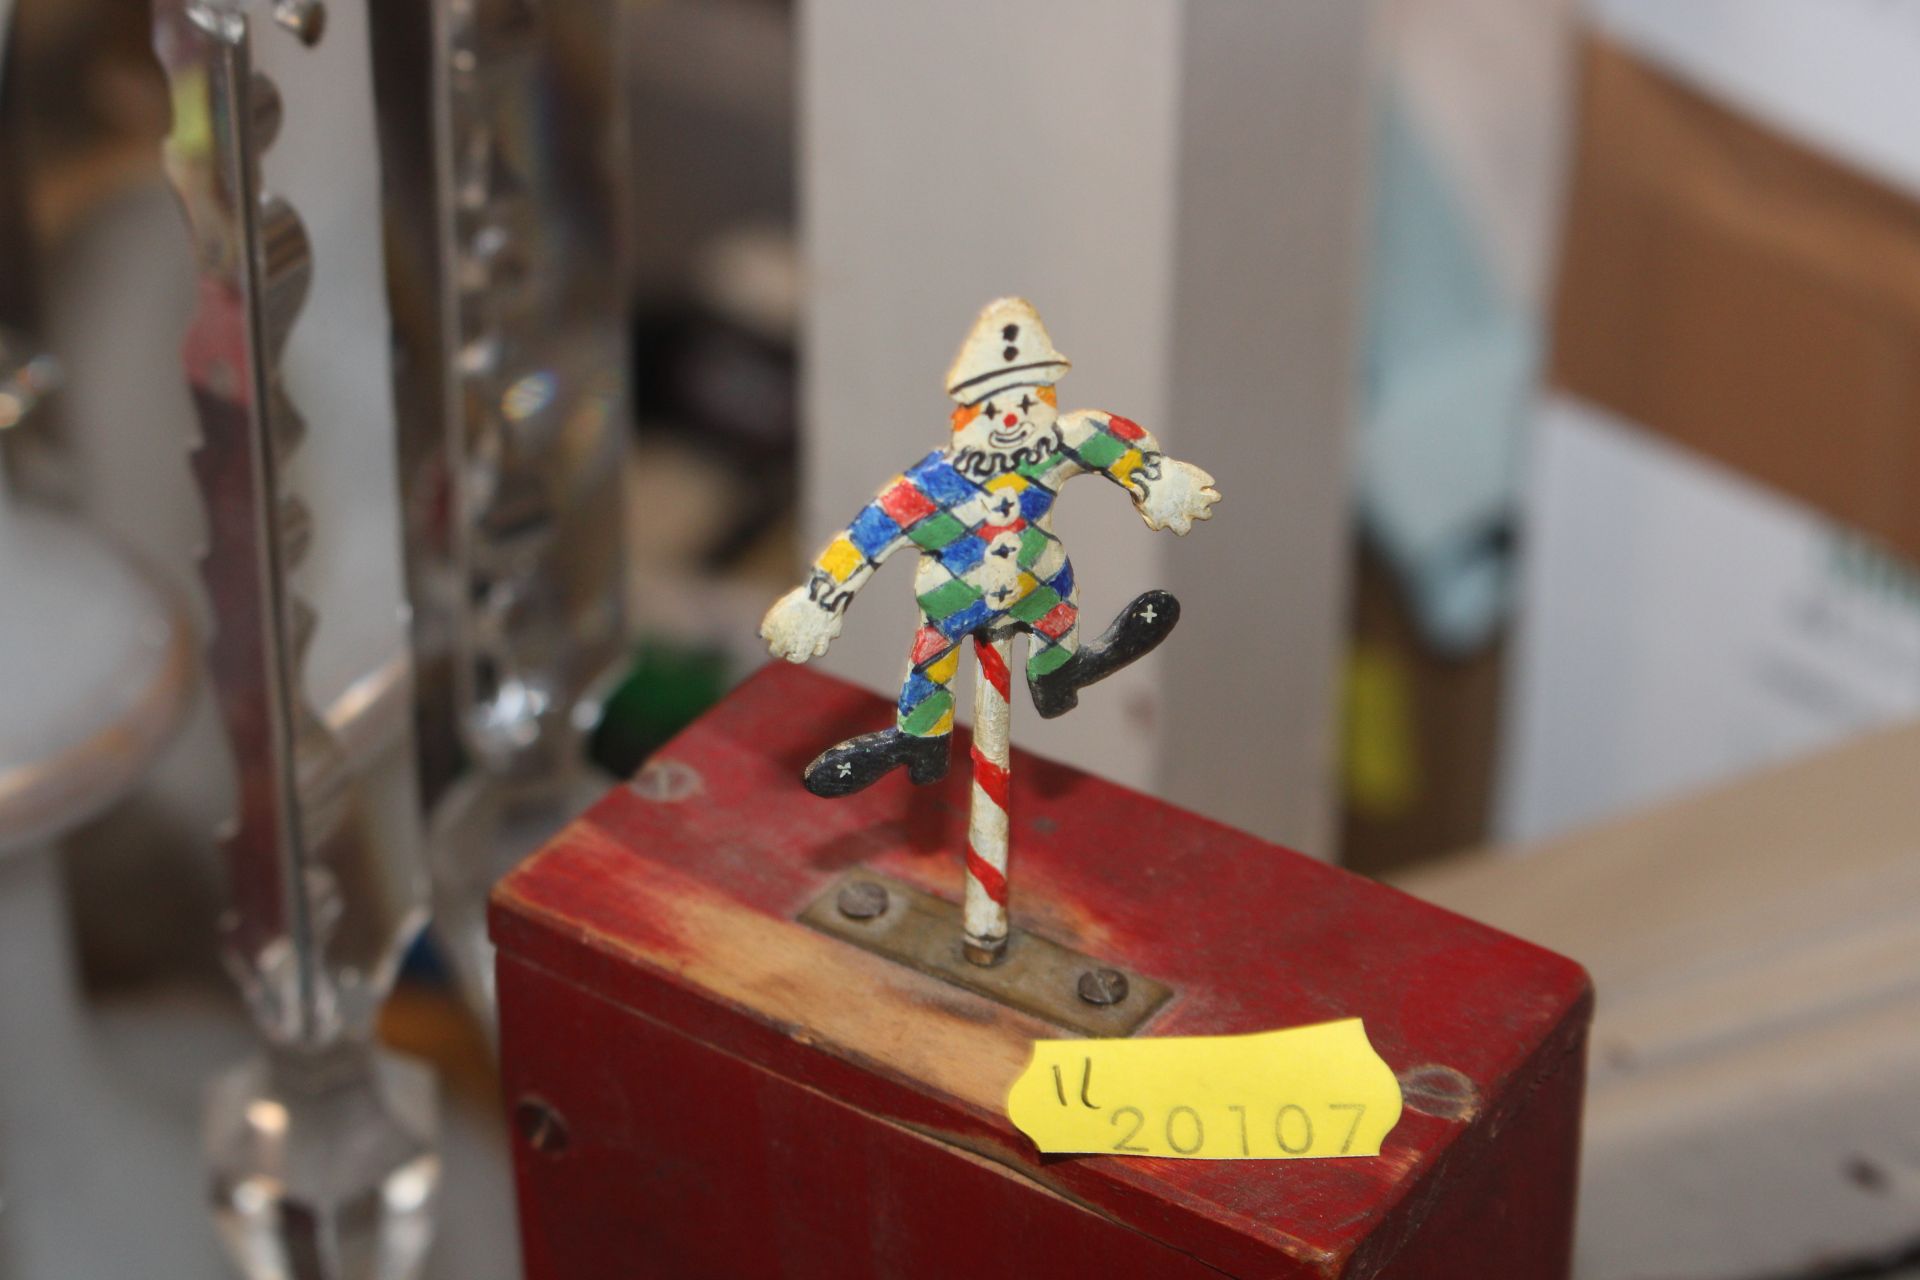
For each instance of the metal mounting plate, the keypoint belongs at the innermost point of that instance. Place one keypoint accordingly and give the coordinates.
(1038, 976)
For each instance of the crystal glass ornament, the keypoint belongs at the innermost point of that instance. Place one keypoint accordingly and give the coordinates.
(322, 1149)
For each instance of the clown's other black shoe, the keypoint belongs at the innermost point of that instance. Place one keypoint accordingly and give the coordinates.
(860, 762)
(1140, 627)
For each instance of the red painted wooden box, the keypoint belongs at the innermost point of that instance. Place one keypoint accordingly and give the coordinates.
(704, 1085)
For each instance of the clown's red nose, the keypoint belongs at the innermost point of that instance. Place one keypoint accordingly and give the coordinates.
(1011, 418)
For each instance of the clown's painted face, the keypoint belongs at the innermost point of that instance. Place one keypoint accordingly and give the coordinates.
(1007, 422)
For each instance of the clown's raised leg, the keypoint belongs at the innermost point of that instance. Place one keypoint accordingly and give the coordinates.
(1136, 632)
(1057, 669)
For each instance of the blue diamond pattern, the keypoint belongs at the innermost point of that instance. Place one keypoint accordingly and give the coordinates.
(915, 691)
(1062, 582)
(962, 554)
(938, 480)
(958, 624)
(872, 530)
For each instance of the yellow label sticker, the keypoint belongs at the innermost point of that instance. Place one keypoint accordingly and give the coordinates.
(1301, 1094)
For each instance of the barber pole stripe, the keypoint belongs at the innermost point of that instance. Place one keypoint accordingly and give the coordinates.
(986, 901)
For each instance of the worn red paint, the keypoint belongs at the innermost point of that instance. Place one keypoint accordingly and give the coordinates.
(710, 1142)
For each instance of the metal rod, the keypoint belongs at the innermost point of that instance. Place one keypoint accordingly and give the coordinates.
(985, 918)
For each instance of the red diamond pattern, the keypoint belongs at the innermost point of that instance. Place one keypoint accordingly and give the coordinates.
(1057, 621)
(906, 504)
(929, 644)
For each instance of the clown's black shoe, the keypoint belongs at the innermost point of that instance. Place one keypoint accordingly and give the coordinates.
(1140, 627)
(860, 762)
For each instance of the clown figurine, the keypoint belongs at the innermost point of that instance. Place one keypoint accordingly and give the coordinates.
(980, 512)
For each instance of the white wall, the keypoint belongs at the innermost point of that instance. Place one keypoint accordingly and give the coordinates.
(1176, 185)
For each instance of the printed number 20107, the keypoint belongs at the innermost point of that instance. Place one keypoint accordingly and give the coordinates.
(1234, 1130)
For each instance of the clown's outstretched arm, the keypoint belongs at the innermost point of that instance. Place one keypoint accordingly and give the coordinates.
(803, 622)
(1170, 494)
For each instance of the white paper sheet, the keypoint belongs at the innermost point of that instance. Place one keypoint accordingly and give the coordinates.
(1680, 624)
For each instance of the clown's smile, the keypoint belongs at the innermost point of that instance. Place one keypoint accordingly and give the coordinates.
(1010, 437)
(1011, 424)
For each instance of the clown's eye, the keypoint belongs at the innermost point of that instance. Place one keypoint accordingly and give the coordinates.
(990, 409)
(1026, 403)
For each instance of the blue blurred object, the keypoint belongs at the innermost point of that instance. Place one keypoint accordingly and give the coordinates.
(1449, 375)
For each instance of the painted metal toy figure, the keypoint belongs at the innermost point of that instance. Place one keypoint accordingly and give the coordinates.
(980, 513)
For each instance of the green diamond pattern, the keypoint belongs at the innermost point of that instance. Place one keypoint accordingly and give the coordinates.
(1039, 468)
(1037, 604)
(1100, 451)
(923, 717)
(1032, 543)
(936, 531)
(1048, 659)
(949, 598)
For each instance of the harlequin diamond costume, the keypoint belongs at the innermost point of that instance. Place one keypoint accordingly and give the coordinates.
(980, 511)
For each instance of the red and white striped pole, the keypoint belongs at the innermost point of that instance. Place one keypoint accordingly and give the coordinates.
(985, 913)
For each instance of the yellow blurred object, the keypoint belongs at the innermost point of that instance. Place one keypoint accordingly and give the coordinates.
(1380, 763)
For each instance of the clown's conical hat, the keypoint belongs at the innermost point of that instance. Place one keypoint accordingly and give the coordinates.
(1008, 347)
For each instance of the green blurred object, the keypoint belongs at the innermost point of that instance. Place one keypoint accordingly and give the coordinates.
(665, 689)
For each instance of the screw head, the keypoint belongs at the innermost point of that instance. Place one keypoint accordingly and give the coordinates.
(1103, 986)
(862, 900)
(666, 782)
(1437, 1090)
(542, 1127)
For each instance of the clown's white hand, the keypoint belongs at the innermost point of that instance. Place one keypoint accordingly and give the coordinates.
(1179, 495)
(797, 629)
